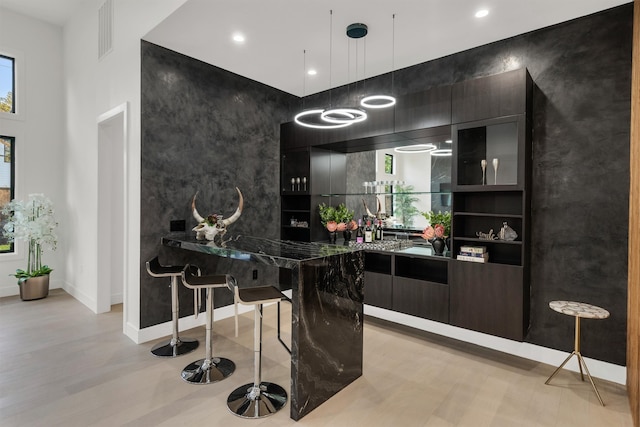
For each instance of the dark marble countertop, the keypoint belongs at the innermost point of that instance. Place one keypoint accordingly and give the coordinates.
(281, 253)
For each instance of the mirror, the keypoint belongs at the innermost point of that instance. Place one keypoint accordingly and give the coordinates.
(405, 182)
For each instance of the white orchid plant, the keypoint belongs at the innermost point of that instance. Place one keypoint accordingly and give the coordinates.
(34, 222)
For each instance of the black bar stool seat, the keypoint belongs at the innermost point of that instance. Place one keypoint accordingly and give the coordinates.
(176, 346)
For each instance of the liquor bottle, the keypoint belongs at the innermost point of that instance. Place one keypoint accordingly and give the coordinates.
(367, 233)
(359, 232)
(374, 230)
(379, 233)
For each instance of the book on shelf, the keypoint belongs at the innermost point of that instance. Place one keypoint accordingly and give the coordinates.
(474, 249)
(474, 258)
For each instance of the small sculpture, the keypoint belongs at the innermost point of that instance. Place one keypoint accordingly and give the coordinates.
(369, 213)
(486, 236)
(483, 165)
(507, 233)
(208, 228)
(495, 168)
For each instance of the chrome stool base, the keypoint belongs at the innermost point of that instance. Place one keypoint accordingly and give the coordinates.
(167, 349)
(200, 372)
(248, 401)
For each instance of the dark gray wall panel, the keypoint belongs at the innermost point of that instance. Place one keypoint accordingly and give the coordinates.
(204, 129)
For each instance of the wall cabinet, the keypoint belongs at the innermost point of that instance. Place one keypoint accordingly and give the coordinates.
(488, 118)
(417, 286)
(306, 174)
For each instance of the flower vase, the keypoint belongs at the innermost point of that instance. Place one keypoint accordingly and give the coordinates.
(438, 245)
(332, 237)
(447, 241)
(347, 236)
(34, 287)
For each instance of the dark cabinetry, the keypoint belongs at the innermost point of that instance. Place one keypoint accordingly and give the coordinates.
(489, 298)
(305, 175)
(499, 95)
(492, 297)
(411, 285)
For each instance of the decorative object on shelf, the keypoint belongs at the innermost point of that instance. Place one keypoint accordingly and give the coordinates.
(369, 213)
(337, 219)
(34, 222)
(293, 183)
(495, 162)
(298, 184)
(304, 183)
(438, 245)
(507, 233)
(213, 225)
(443, 218)
(483, 165)
(486, 236)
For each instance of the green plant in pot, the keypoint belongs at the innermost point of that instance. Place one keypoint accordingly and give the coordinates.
(32, 221)
(439, 229)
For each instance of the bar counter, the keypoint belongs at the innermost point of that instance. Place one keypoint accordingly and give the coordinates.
(327, 284)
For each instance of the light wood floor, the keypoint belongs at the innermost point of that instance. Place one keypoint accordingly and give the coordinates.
(61, 365)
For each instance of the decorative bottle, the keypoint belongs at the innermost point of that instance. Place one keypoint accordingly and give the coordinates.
(368, 238)
(359, 233)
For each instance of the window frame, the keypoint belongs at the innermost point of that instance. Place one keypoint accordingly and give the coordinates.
(12, 249)
(19, 110)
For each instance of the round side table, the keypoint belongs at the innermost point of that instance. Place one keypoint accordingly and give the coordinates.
(578, 310)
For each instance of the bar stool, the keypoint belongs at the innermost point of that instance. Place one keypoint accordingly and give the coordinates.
(579, 310)
(210, 369)
(258, 399)
(175, 346)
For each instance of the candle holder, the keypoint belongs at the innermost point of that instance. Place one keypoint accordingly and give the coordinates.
(483, 165)
(496, 162)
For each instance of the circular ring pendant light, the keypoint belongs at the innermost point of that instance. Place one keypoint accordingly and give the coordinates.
(378, 101)
(343, 115)
(441, 152)
(300, 119)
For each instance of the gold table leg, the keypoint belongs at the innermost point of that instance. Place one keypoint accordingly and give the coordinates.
(581, 362)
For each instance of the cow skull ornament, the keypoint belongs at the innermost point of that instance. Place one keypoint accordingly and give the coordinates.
(213, 225)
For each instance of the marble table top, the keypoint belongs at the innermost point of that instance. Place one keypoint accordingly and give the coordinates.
(282, 253)
(579, 309)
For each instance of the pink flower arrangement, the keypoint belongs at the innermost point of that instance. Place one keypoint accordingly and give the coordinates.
(437, 231)
(332, 226)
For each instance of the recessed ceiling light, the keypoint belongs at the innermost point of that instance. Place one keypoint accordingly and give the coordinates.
(312, 72)
(482, 13)
(448, 141)
(238, 38)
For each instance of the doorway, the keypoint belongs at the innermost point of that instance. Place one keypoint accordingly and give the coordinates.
(112, 196)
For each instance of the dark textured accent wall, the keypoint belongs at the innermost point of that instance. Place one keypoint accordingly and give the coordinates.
(208, 130)
(581, 120)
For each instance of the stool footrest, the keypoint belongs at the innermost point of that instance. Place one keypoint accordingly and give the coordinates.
(248, 401)
(205, 371)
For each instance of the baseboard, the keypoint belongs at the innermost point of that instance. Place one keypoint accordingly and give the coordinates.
(597, 368)
(117, 298)
(85, 299)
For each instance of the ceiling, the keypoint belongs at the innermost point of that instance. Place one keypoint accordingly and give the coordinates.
(277, 33)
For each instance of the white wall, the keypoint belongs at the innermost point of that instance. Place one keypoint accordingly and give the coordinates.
(92, 88)
(40, 144)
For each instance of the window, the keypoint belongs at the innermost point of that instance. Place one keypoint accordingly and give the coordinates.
(388, 164)
(7, 173)
(7, 84)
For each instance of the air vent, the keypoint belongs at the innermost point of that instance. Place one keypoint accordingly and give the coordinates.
(105, 28)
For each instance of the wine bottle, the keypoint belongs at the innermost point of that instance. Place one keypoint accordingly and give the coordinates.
(374, 230)
(367, 233)
(359, 232)
(379, 231)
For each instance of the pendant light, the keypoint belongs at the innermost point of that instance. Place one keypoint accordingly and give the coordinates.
(330, 118)
(384, 101)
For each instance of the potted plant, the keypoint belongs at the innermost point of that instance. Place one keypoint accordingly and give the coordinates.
(32, 221)
(439, 230)
(403, 207)
(344, 218)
